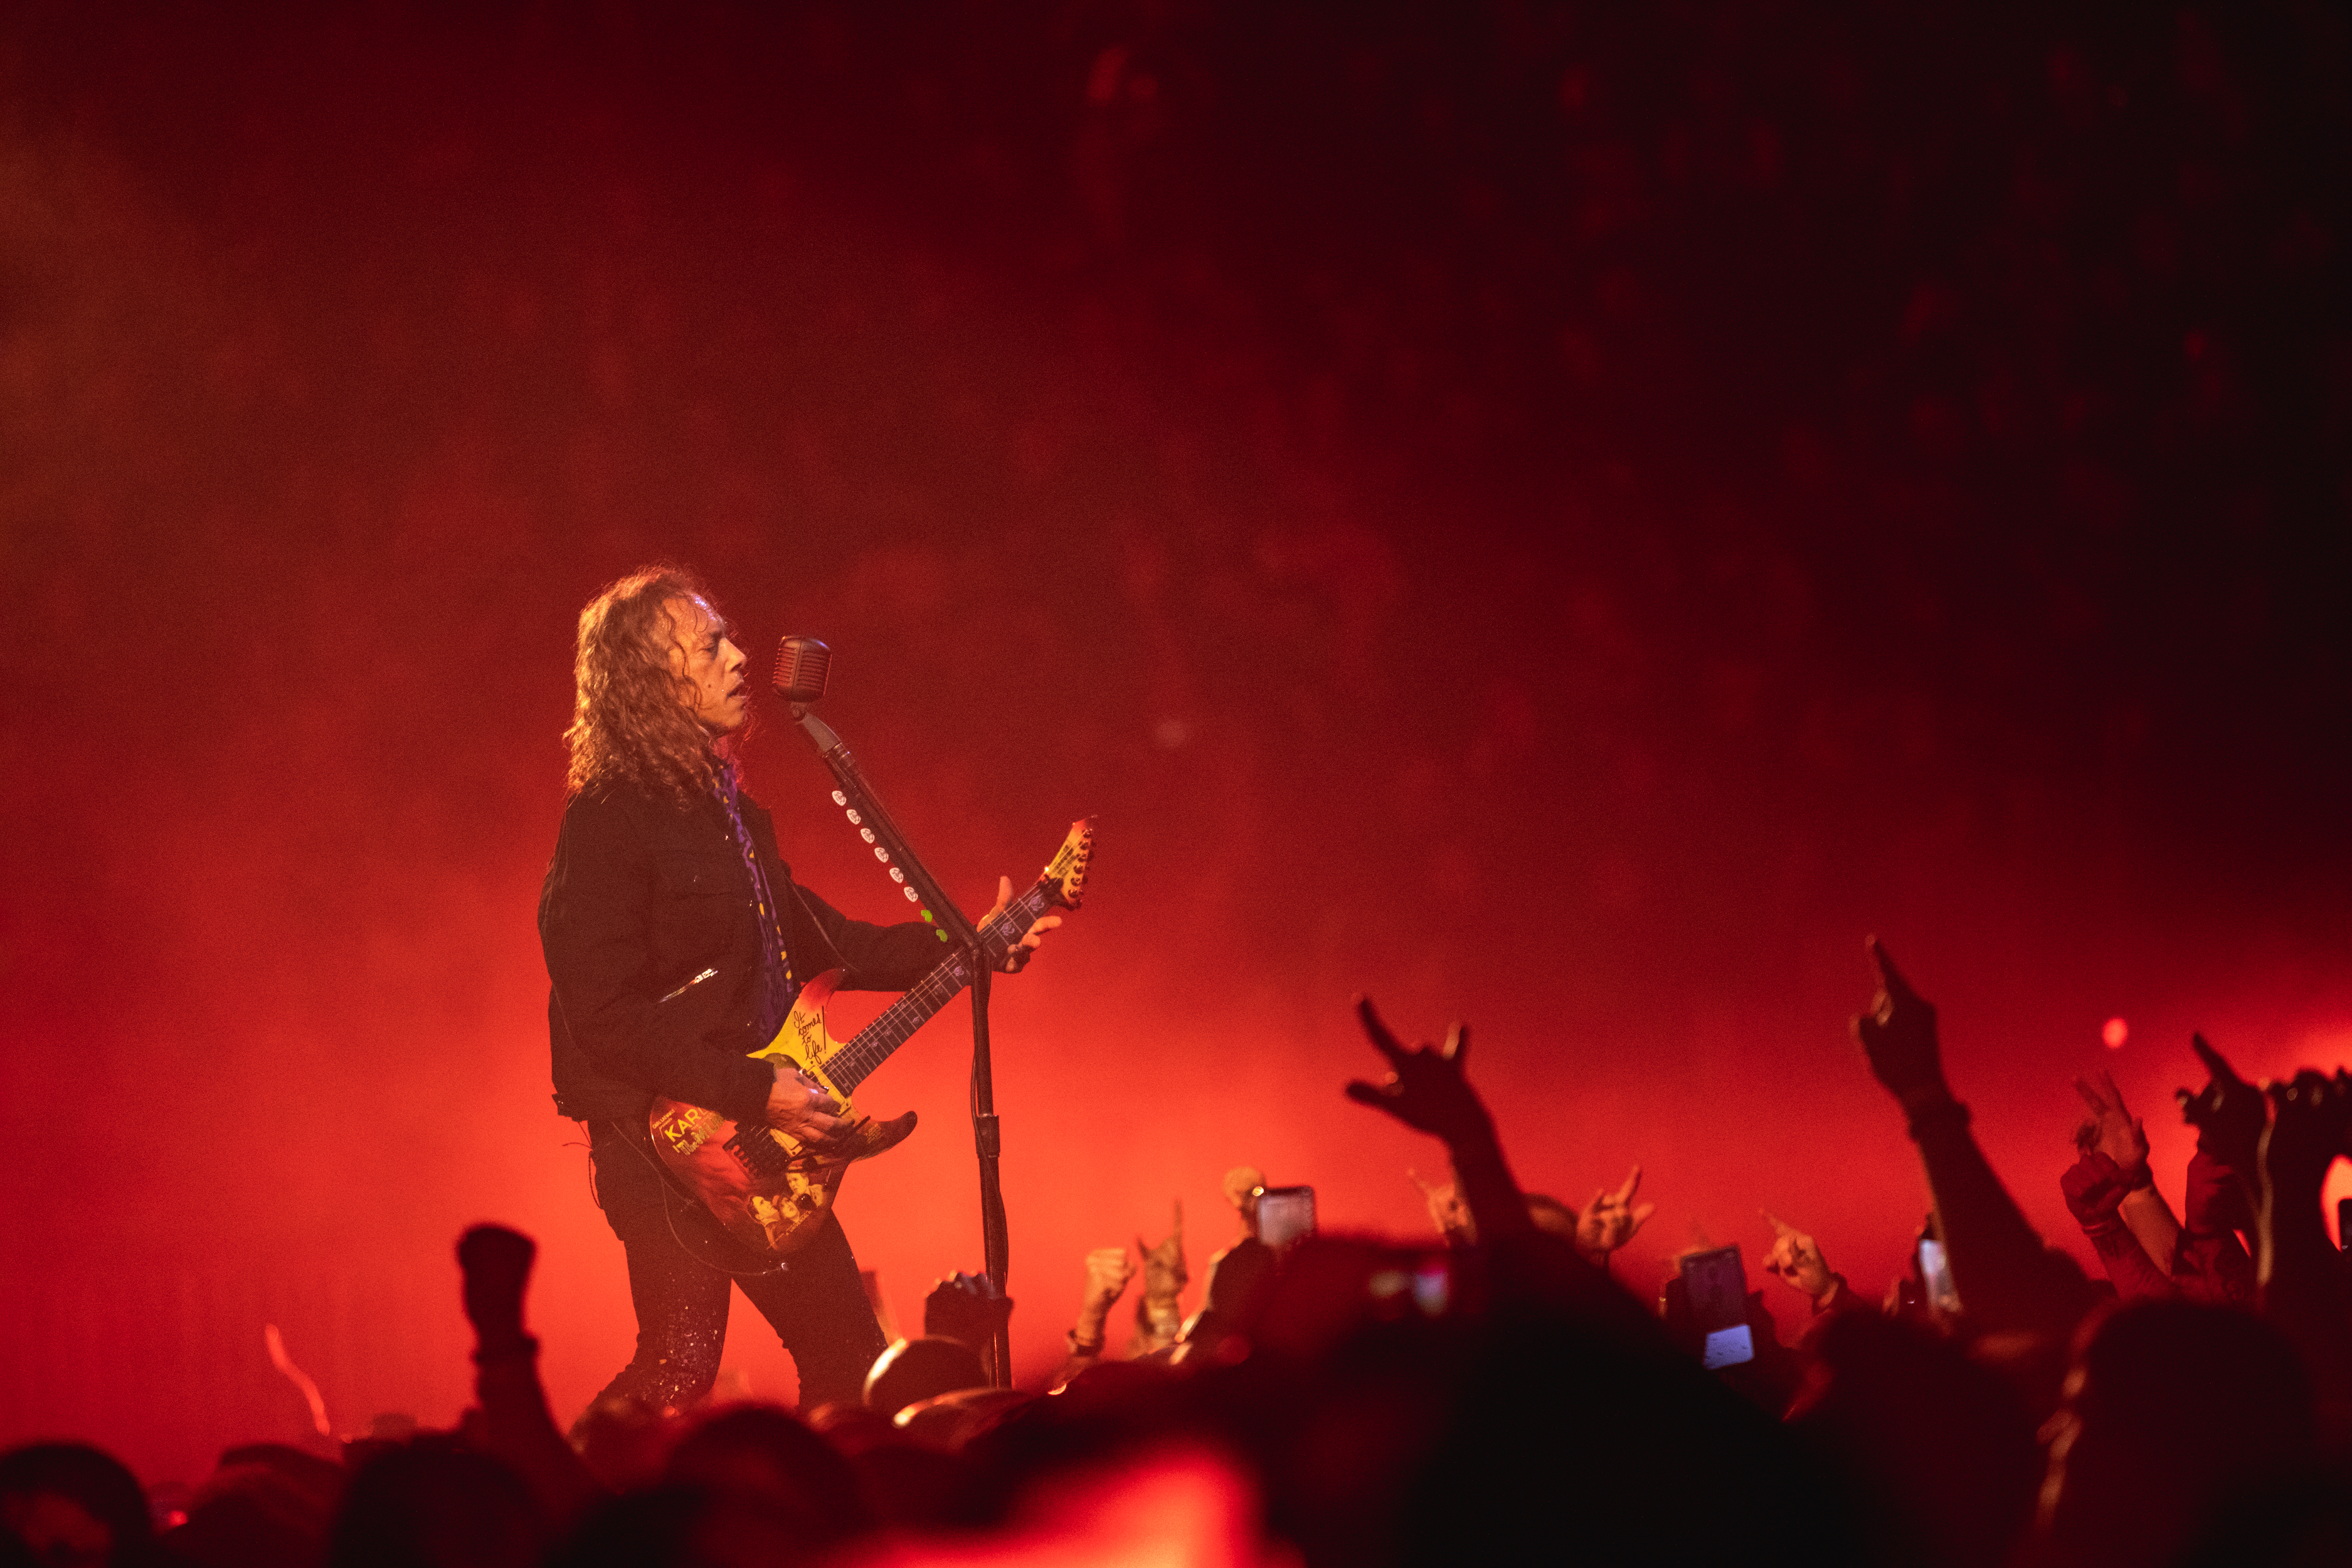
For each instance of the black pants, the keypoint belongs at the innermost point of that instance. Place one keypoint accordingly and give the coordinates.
(814, 1302)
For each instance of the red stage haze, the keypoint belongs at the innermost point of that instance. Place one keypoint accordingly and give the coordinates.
(1556, 517)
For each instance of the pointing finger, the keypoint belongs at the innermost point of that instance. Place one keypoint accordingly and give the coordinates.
(1632, 1185)
(1779, 1226)
(1888, 975)
(2215, 1063)
(1457, 1044)
(1377, 1032)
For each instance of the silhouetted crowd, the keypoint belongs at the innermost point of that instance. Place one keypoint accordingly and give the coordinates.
(1341, 1400)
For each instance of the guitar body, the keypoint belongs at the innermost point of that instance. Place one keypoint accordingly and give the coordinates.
(771, 1202)
(765, 1189)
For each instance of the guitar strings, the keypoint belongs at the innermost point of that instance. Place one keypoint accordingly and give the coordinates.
(919, 1005)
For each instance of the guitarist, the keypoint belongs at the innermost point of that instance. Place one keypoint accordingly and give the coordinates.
(676, 941)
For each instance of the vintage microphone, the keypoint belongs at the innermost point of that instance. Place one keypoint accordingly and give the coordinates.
(803, 666)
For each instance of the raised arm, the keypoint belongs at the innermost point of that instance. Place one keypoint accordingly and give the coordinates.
(2095, 1190)
(1428, 1089)
(510, 1420)
(2119, 1135)
(2301, 1274)
(2008, 1280)
(2229, 1115)
(2225, 1188)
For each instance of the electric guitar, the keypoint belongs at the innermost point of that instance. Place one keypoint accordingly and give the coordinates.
(765, 1187)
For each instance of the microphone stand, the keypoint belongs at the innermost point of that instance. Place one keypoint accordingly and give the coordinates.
(873, 821)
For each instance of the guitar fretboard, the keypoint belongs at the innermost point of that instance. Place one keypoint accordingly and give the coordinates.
(872, 1046)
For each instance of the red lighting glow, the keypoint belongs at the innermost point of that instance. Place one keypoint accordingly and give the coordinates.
(2114, 1033)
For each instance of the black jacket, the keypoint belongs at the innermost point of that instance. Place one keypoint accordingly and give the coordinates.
(640, 898)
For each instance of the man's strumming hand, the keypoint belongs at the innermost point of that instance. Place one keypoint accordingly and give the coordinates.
(799, 1106)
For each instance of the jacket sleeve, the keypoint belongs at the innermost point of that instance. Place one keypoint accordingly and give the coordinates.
(595, 920)
(873, 957)
(2213, 1265)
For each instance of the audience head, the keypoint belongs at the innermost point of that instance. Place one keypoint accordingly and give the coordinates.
(1241, 1186)
(920, 1369)
(1938, 1450)
(1240, 1281)
(430, 1504)
(2172, 1411)
(73, 1504)
(761, 1460)
(264, 1503)
(623, 1442)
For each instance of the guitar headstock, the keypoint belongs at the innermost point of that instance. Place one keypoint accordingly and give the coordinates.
(1065, 873)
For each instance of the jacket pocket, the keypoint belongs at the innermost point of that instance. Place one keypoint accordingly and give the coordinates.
(687, 875)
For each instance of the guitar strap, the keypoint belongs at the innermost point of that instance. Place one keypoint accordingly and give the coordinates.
(777, 985)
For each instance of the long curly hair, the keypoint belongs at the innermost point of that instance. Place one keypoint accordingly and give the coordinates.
(633, 720)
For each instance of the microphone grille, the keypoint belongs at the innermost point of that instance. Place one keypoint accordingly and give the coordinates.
(801, 666)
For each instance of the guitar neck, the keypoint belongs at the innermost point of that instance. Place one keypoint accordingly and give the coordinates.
(872, 1046)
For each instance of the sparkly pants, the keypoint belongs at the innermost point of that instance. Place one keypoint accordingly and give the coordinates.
(815, 1303)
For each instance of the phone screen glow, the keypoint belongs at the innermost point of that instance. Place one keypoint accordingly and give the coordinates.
(1935, 1274)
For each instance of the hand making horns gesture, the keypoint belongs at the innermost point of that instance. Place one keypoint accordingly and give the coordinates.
(1796, 1258)
(1426, 1088)
(1612, 1219)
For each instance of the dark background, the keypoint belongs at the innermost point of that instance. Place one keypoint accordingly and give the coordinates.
(1564, 516)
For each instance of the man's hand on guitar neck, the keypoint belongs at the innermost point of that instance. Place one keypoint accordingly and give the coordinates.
(799, 1107)
(1032, 940)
